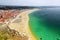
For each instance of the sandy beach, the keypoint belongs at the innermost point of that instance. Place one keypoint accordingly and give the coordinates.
(22, 24)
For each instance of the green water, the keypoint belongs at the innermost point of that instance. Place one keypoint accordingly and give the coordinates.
(43, 27)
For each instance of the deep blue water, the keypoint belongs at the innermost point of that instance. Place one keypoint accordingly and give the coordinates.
(45, 23)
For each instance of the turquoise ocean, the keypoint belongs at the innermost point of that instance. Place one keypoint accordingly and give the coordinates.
(45, 23)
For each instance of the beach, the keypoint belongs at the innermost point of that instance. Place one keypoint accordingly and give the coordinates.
(22, 26)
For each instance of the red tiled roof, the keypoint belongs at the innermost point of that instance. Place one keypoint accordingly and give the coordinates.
(8, 14)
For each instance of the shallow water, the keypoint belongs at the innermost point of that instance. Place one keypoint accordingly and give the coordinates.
(45, 24)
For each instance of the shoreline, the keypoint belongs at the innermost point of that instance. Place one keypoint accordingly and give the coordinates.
(29, 25)
(23, 27)
(30, 28)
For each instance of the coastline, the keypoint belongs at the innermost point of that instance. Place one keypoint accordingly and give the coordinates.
(23, 27)
(35, 38)
(31, 30)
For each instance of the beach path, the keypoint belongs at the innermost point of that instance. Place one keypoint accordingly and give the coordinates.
(21, 24)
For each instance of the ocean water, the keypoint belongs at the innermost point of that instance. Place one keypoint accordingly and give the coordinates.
(45, 23)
